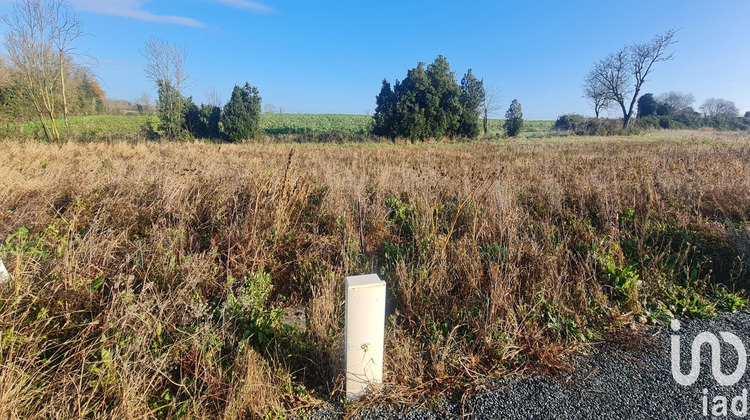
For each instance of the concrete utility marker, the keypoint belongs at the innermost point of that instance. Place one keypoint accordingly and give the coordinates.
(364, 334)
(4, 274)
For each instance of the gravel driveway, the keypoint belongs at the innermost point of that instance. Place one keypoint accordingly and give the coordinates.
(611, 382)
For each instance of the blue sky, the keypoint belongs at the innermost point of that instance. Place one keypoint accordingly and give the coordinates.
(330, 56)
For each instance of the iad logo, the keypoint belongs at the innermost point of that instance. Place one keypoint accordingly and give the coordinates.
(695, 357)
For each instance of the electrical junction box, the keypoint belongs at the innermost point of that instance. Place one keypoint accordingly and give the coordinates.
(364, 334)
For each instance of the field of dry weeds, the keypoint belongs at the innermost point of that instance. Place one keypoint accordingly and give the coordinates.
(149, 279)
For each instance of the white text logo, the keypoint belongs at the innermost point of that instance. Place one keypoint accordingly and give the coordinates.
(695, 357)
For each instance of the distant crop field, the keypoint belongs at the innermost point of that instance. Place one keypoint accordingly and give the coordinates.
(304, 123)
(104, 127)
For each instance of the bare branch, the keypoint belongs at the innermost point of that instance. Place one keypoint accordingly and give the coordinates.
(213, 97)
(490, 105)
(622, 74)
(165, 62)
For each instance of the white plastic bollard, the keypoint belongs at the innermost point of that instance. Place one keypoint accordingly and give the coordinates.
(4, 275)
(364, 335)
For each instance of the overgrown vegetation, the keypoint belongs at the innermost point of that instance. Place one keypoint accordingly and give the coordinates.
(585, 126)
(149, 279)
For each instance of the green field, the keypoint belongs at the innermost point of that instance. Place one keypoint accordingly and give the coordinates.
(116, 126)
(91, 126)
(303, 123)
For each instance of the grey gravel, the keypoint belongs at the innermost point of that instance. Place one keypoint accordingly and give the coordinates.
(611, 382)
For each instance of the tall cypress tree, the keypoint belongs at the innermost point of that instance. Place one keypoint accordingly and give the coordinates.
(472, 97)
(514, 119)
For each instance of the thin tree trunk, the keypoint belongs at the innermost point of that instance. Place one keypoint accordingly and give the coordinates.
(484, 121)
(64, 98)
(44, 126)
(54, 125)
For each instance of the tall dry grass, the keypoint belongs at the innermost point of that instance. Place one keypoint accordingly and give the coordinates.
(147, 277)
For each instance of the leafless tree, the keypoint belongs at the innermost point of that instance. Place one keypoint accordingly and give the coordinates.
(269, 109)
(166, 66)
(596, 93)
(144, 105)
(67, 28)
(213, 97)
(717, 107)
(29, 42)
(622, 74)
(165, 62)
(678, 102)
(490, 105)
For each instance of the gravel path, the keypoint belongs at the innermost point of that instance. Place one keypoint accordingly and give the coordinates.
(610, 383)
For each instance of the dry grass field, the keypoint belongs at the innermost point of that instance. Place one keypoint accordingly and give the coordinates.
(149, 279)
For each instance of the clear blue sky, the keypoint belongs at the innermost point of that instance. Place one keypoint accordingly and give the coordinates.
(330, 56)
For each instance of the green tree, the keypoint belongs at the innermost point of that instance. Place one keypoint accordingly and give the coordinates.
(411, 108)
(241, 117)
(89, 95)
(472, 99)
(443, 107)
(514, 119)
(385, 112)
(170, 109)
(647, 105)
(202, 122)
(664, 109)
(427, 103)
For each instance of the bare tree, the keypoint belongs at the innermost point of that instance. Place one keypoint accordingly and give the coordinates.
(622, 74)
(143, 104)
(678, 102)
(29, 43)
(67, 28)
(596, 93)
(213, 97)
(166, 67)
(269, 109)
(165, 62)
(717, 107)
(490, 105)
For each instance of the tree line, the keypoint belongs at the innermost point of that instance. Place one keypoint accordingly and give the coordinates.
(430, 103)
(180, 117)
(39, 77)
(616, 81)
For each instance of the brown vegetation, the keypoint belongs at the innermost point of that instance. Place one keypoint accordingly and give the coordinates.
(147, 277)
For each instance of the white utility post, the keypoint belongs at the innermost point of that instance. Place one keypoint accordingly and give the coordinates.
(4, 275)
(365, 328)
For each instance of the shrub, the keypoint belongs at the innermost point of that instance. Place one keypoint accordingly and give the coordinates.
(584, 126)
(202, 122)
(575, 123)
